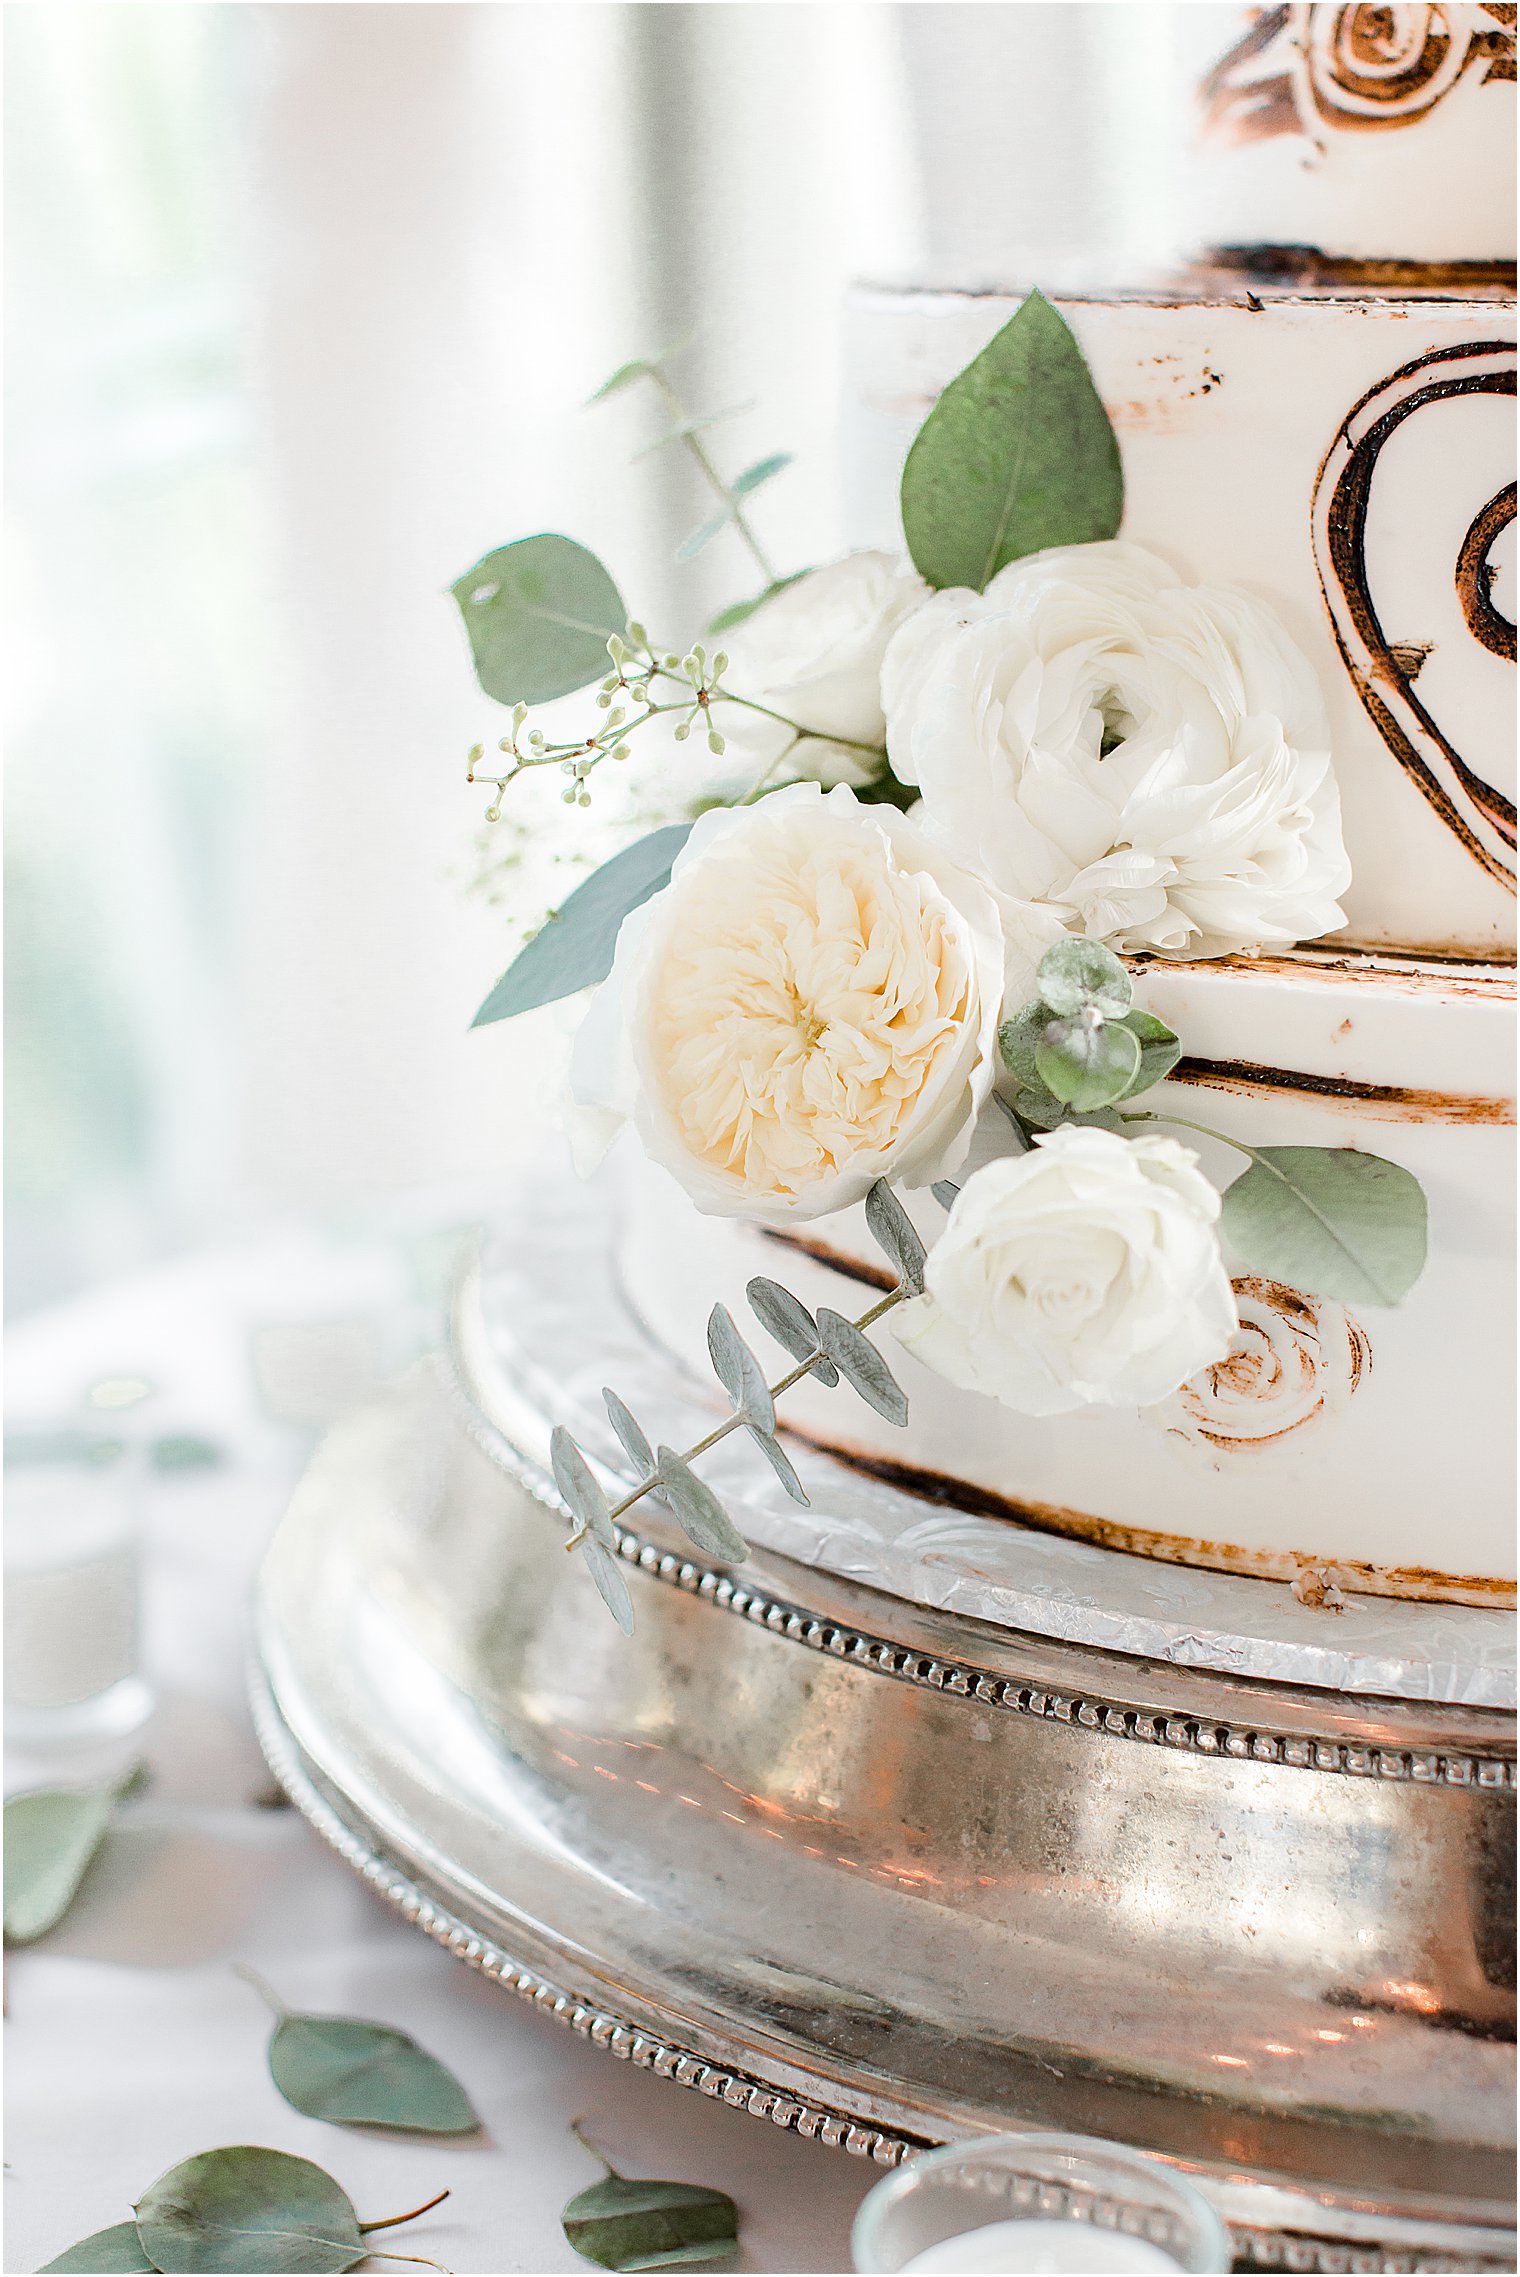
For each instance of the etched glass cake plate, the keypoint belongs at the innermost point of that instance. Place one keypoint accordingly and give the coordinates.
(914, 1826)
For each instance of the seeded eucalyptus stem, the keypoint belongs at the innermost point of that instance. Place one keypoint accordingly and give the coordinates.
(737, 1422)
(1182, 1124)
(703, 458)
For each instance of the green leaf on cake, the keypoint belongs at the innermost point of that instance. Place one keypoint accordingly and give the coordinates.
(539, 614)
(630, 1433)
(771, 1448)
(893, 1232)
(354, 2073)
(738, 1371)
(574, 948)
(1329, 1220)
(103, 2253)
(583, 1497)
(700, 1514)
(606, 1572)
(857, 1358)
(1088, 1062)
(1160, 1049)
(1077, 973)
(1016, 455)
(787, 1319)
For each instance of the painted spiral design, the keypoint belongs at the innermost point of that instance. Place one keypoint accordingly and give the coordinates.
(1295, 1362)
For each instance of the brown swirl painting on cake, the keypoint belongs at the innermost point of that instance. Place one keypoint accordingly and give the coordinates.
(1295, 1362)
(1464, 787)
(1307, 69)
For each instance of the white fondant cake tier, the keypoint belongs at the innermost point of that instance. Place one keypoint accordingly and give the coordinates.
(1372, 134)
(1374, 1440)
(1349, 460)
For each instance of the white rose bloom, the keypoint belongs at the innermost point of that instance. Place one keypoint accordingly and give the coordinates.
(1148, 758)
(1084, 1273)
(809, 1005)
(814, 653)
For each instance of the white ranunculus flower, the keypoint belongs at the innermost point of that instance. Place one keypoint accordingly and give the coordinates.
(814, 653)
(809, 1005)
(1084, 1273)
(1149, 758)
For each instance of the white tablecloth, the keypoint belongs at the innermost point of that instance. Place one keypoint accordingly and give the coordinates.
(131, 2043)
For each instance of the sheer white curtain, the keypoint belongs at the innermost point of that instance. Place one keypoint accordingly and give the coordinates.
(413, 239)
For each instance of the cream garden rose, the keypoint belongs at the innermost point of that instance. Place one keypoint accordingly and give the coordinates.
(1149, 760)
(809, 1005)
(1084, 1273)
(814, 654)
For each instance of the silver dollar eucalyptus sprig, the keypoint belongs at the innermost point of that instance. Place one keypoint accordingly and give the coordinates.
(826, 1346)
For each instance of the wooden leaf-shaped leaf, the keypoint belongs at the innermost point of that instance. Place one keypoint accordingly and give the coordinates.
(538, 614)
(103, 2253)
(690, 547)
(50, 1838)
(1329, 1220)
(607, 1572)
(698, 1511)
(859, 1359)
(1088, 1063)
(893, 1231)
(244, 2210)
(738, 1371)
(351, 2072)
(787, 1319)
(587, 1503)
(780, 1463)
(575, 947)
(634, 1444)
(650, 2225)
(1160, 1049)
(1016, 455)
(763, 470)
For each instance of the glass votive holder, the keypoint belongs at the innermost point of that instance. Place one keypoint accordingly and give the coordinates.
(72, 1560)
(1037, 2202)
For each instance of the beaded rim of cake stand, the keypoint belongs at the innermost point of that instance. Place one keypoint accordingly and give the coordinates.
(1187, 1734)
(1255, 2248)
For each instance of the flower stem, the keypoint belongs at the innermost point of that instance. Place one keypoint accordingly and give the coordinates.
(391, 2220)
(699, 452)
(1182, 1124)
(266, 1992)
(738, 1422)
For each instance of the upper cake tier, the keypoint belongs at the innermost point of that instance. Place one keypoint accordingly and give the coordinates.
(1358, 142)
(1349, 459)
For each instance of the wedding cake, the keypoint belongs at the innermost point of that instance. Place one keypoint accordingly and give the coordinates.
(1318, 413)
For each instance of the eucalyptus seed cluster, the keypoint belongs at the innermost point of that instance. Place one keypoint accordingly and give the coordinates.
(825, 1345)
(633, 693)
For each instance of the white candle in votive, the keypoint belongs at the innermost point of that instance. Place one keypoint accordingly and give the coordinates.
(1014, 2247)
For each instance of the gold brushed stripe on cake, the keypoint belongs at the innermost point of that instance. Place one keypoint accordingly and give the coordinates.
(1422, 1584)
(1380, 1102)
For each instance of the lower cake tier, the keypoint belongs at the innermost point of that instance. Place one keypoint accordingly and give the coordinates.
(1348, 459)
(1374, 1440)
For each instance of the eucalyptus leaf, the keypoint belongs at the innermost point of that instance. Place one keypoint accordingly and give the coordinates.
(857, 1357)
(1020, 1038)
(763, 470)
(538, 614)
(771, 1448)
(1016, 455)
(698, 1511)
(650, 2225)
(572, 1475)
(739, 612)
(1076, 973)
(1088, 1062)
(945, 1193)
(103, 2253)
(1329, 1220)
(1160, 1049)
(738, 1371)
(625, 375)
(893, 1232)
(690, 547)
(245, 2210)
(607, 1572)
(354, 2073)
(575, 947)
(51, 1836)
(689, 427)
(787, 1319)
(631, 1437)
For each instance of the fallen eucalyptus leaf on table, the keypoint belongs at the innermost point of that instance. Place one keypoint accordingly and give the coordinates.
(103, 2253)
(354, 2073)
(50, 1838)
(624, 2224)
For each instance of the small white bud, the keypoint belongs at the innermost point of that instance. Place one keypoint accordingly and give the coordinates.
(683, 731)
(716, 745)
(720, 664)
(569, 797)
(638, 636)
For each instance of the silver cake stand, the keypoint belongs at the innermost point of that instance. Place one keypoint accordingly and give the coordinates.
(931, 1834)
